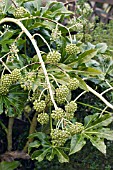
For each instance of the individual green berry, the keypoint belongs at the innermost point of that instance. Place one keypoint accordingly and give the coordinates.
(53, 57)
(73, 84)
(57, 114)
(39, 106)
(43, 118)
(15, 75)
(72, 49)
(71, 107)
(20, 12)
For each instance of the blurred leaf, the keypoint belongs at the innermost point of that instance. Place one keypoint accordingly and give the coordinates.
(82, 84)
(9, 165)
(77, 143)
(101, 47)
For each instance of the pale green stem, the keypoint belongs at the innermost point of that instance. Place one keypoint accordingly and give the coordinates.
(33, 41)
(79, 96)
(100, 97)
(43, 40)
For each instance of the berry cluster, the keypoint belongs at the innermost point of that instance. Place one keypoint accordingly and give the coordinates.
(75, 128)
(59, 137)
(61, 94)
(58, 114)
(73, 84)
(7, 80)
(15, 75)
(20, 12)
(53, 57)
(72, 49)
(43, 118)
(55, 34)
(69, 116)
(28, 80)
(71, 107)
(39, 106)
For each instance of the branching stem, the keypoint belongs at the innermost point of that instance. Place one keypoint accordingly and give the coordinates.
(16, 21)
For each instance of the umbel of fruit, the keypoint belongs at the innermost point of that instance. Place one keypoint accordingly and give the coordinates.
(58, 114)
(71, 107)
(73, 84)
(20, 12)
(72, 49)
(53, 57)
(39, 106)
(43, 118)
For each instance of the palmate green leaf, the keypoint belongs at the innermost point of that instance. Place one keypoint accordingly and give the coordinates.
(34, 144)
(94, 121)
(101, 133)
(40, 135)
(101, 47)
(88, 71)
(82, 84)
(62, 157)
(39, 155)
(98, 143)
(86, 56)
(77, 143)
(9, 165)
(83, 58)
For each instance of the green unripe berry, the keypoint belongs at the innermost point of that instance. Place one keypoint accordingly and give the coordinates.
(39, 106)
(73, 84)
(71, 107)
(72, 49)
(43, 118)
(53, 57)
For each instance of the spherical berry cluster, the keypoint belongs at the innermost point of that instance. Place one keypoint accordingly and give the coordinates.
(3, 90)
(55, 34)
(6, 80)
(57, 114)
(71, 107)
(39, 106)
(43, 118)
(72, 49)
(15, 75)
(69, 116)
(61, 93)
(73, 84)
(53, 57)
(75, 128)
(88, 38)
(20, 12)
(59, 137)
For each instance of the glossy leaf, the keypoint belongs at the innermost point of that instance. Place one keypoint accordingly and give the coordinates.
(77, 143)
(34, 144)
(62, 157)
(98, 143)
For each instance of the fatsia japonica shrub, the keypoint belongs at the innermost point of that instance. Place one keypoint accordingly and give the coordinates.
(41, 65)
